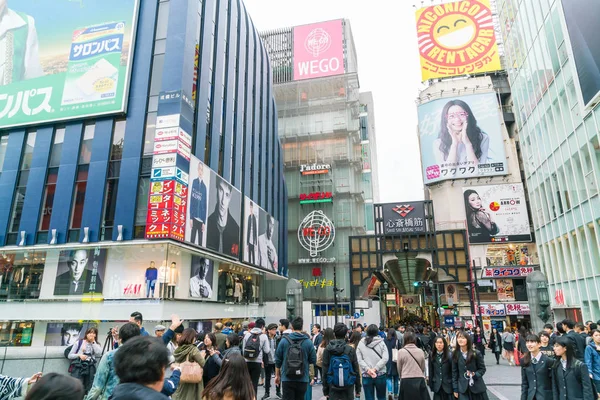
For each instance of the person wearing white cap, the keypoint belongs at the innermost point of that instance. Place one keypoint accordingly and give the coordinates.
(159, 330)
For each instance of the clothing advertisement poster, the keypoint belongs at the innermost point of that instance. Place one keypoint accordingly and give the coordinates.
(461, 137)
(260, 237)
(66, 333)
(214, 212)
(62, 60)
(497, 213)
(80, 272)
(202, 278)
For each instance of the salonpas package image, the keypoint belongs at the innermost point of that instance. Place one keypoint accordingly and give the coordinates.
(93, 70)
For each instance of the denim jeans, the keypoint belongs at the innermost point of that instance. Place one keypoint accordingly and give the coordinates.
(370, 386)
(392, 385)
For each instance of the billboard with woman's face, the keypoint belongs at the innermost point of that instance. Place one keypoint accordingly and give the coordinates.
(461, 137)
(497, 214)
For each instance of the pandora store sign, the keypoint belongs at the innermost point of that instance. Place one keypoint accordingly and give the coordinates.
(314, 169)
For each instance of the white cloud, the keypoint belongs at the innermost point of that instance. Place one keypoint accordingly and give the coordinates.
(388, 65)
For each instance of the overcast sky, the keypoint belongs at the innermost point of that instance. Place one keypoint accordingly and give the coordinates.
(388, 65)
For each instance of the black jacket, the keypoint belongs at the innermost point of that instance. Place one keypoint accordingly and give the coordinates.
(392, 369)
(440, 373)
(578, 344)
(572, 384)
(496, 340)
(459, 383)
(231, 235)
(335, 348)
(318, 339)
(536, 380)
(134, 391)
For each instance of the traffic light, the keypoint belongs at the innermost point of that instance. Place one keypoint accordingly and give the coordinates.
(416, 284)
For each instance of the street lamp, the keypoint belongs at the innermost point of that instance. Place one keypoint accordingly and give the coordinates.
(543, 300)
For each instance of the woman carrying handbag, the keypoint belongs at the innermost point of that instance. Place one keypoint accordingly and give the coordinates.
(191, 362)
(391, 341)
(411, 370)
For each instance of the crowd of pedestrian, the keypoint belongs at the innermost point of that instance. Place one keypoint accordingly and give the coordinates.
(404, 362)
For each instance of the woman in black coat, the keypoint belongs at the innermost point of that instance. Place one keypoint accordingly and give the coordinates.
(440, 370)
(391, 341)
(468, 369)
(536, 372)
(495, 343)
(570, 377)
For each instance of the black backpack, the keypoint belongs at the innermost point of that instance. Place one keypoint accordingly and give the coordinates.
(252, 346)
(294, 360)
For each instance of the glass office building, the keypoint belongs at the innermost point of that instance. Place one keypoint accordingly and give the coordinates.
(328, 152)
(111, 197)
(551, 48)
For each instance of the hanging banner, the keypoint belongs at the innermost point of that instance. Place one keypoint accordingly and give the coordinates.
(506, 290)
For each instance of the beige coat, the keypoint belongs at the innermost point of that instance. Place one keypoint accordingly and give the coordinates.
(407, 366)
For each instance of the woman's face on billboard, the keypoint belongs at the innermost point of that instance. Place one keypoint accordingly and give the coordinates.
(475, 201)
(457, 117)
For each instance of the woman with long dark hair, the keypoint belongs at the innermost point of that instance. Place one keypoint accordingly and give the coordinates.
(372, 358)
(536, 372)
(479, 340)
(327, 337)
(411, 370)
(495, 344)
(570, 377)
(211, 355)
(354, 339)
(84, 356)
(55, 386)
(480, 222)
(393, 345)
(440, 370)
(468, 369)
(460, 139)
(232, 383)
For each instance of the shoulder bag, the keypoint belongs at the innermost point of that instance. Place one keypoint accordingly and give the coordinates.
(395, 352)
(191, 371)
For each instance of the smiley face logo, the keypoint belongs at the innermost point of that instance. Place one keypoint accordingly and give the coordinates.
(457, 38)
(454, 31)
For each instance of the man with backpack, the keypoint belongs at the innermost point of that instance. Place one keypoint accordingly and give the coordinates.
(339, 361)
(255, 346)
(293, 356)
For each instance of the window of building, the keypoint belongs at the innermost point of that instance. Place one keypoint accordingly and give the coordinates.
(3, 147)
(85, 152)
(48, 201)
(150, 132)
(78, 200)
(16, 333)
(57, 145)
(141, 209)
(21, 276)
(116, 152)
(19, 198)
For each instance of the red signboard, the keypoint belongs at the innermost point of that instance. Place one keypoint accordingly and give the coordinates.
(314, 232)
(316, 196)
(167, 206)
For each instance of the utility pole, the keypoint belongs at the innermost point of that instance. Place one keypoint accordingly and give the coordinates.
(335, 294)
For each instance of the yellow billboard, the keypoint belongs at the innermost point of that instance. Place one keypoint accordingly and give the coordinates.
(457, 39)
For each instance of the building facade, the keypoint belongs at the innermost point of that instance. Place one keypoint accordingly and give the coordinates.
(328, 152)
(153, 205)
(549, 46)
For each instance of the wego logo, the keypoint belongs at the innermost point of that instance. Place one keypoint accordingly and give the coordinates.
(403, 210)
(456, 39)
(317, 42)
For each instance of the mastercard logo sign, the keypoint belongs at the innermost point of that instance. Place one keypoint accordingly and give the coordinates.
(457, 39)
(494, 206)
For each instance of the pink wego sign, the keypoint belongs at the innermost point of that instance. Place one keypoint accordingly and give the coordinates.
(318, 50)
